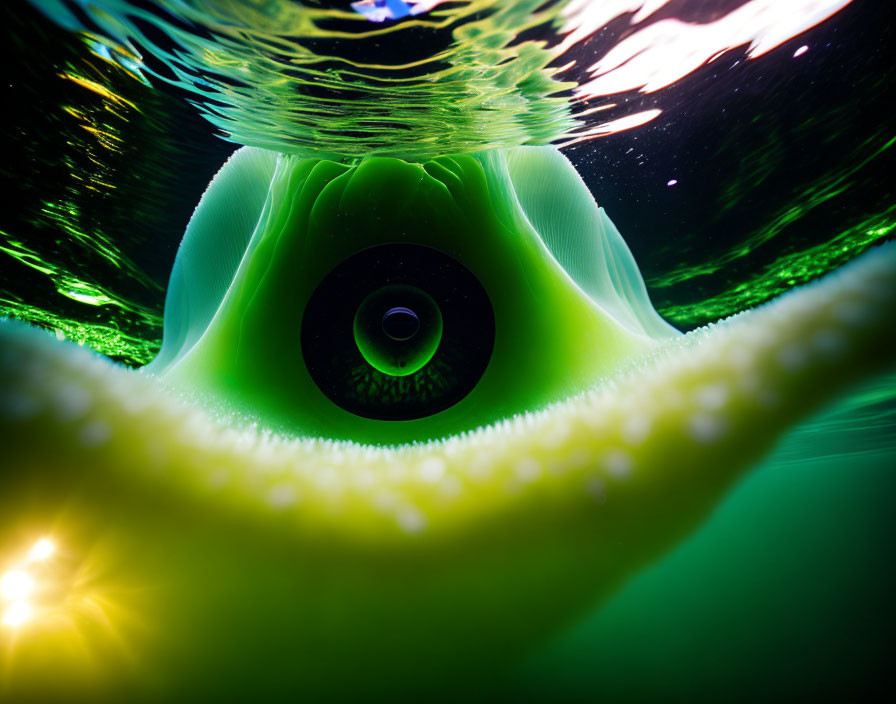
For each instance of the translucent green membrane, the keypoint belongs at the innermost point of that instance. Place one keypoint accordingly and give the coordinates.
(271, 231)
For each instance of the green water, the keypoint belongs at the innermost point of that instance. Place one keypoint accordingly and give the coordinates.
(320, 81)
(124, 158)
(789, 582)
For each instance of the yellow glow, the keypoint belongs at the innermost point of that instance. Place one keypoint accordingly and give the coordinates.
(42, 549)
(18, 613)
(15, 585)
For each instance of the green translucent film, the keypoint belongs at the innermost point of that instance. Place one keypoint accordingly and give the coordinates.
(568, 303)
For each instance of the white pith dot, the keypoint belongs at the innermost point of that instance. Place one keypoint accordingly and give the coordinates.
(480, 467)
(94, 434)
(580, 457)
(385, 500)
(712, 397)
(282, 496)
(450, 486)
(432, 469)
(635, 429)
(618, 464)
(364, 478)
(830, 343)
(556, 436)
(196, 432)
(740, 357)
(70, 402)
(243, 441)
(326, 478)
(411, 520)
(853, 313)
(527, 469)
(706, 428)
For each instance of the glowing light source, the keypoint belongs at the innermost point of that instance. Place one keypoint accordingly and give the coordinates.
(613, 126)
(661, 53)
(18, 613)
(802, 50)
(16, 585)
(42, 549)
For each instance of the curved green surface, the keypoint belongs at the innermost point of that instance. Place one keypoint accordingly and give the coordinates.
(232, 332)
(225, 534)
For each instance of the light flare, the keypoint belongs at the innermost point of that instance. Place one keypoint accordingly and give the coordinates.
(17, 614)
(613, 126)
(16, 584)
(19, 586)
(42, 550)
(664, 52)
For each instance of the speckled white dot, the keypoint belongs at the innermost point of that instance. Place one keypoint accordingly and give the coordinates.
(712, 397)
(94, 434)
(853, 313)
(326, 478)
(635, 429)
(71, 402)
(364, 478)
(556, 436)
(385, 500)
(580, 457)
(527, 469)
(830, 343)
(706, 428)
(282, 496)
(411, 520)
(618, 464)
(480, 467)
(450, 486)
(740, 357)
(432, 469)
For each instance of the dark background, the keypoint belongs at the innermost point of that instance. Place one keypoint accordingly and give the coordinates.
(746, 141)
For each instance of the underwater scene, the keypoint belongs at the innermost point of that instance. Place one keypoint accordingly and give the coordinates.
(447, 350)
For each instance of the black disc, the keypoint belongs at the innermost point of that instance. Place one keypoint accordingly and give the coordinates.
(340, 369)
